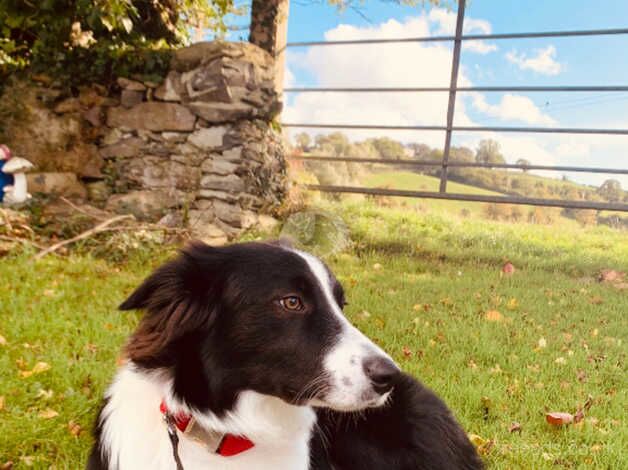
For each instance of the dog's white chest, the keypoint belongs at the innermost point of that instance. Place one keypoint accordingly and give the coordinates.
(135, 436)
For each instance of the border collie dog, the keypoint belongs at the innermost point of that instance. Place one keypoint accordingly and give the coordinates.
(245, 361)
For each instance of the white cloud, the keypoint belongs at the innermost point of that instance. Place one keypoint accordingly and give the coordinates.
(544, 62)
(513, 108)
(446, 25)
(378, 65)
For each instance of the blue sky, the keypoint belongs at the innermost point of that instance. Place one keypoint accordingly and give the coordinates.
(548, 61)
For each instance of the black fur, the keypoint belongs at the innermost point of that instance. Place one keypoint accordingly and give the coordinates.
(97, 460)
(415, 431)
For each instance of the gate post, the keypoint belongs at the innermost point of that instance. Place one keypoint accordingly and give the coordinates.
(269, 30)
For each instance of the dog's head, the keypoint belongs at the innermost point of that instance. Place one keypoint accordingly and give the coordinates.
(255, 316)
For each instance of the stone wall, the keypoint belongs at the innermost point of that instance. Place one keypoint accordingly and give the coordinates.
(197, 149)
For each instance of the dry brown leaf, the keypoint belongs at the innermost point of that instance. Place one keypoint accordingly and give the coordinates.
(558, 418)
(493, 315)
(482, 445)
(596, 300)
(74, 428)
(611, 275)
(37, 369)
(1, 402)
(407, 352)
(48, 413)
(7, 465)
(508, 269)
(3, 341)
(514, 427)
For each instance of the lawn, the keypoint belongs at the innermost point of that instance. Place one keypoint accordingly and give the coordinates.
(418, 284)
(411, 181)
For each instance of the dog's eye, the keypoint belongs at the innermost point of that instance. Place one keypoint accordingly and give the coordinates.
(292, 303)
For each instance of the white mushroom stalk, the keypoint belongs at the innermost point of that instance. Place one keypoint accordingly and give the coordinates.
(17, 192)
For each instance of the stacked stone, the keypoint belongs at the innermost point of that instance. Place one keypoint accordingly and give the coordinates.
(200, 144)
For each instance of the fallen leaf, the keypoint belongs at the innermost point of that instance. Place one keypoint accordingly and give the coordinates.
(558, 418)
(7, 465)
(560, 360)
(542, 342)
(514, 427)
(581, 375)
(48, 413)
(377, 266)
(611, 275)
(512, 304)
(417, 307)
(1, 402)
(596, 447)
(482, 445)
(28, 460)
(407, 352)
(74, 428)
(3, 341)
(579, 416)
(508, 269)
(37, 369)
(596, 300)
(493, 315)
(45, 394)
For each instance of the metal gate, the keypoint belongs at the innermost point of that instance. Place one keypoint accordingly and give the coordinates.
(449, 128)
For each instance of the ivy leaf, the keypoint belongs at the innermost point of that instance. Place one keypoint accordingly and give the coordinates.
(128, 24)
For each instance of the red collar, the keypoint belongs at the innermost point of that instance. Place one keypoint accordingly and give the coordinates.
(226, 445)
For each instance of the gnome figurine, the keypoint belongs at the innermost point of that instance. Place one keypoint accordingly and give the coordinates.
(12, 178)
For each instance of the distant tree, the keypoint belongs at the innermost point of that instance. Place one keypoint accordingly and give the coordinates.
(524, 162)
(421, 151)
(611, 190)
(303, 140)
(335, 143)
(388, 148)
(461, 154)
(489, 152)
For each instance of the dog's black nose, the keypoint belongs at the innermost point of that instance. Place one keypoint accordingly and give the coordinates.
(381, 371)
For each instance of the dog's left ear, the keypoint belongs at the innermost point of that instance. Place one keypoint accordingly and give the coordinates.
(180, 297)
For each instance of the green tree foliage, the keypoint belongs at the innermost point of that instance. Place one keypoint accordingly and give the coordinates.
(489, 151)
(303, 140)
(79, 40)
(523, 162)
(611, 190)
(388, 148)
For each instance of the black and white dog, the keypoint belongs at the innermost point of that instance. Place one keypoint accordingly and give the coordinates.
(245, 361)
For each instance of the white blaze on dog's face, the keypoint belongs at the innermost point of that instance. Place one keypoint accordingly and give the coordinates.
(360, 374)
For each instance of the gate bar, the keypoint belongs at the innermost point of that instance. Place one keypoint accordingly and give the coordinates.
(577, 88)
(609, 206)
(422, 163)
(540, 130)
(451, 105)
(468, 37)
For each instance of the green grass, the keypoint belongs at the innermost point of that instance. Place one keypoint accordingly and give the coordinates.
(419, 285)
(408, 180)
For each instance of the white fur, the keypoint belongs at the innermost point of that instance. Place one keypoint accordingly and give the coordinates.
(351, 389)
(135, 437)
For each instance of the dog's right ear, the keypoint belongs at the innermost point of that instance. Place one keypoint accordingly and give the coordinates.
(155, 291)
(181, 297)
